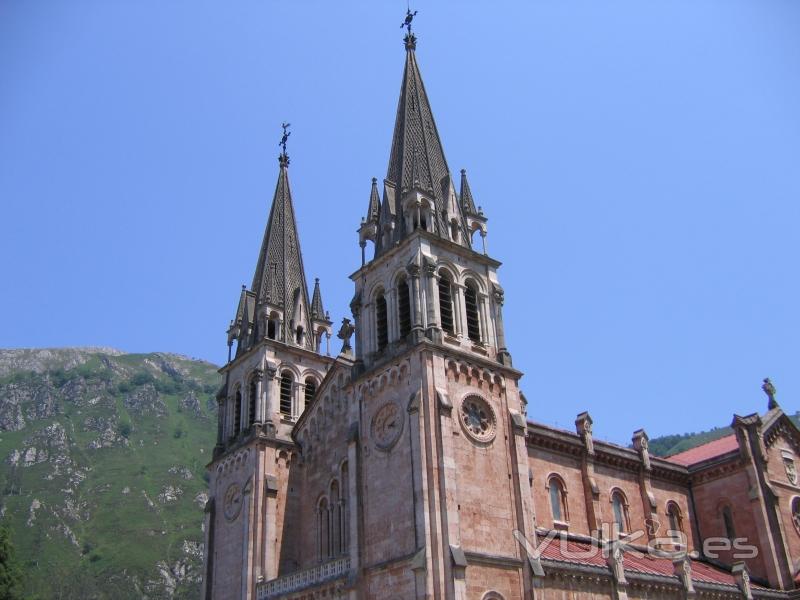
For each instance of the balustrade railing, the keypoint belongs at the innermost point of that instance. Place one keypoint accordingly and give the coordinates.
(304, 579)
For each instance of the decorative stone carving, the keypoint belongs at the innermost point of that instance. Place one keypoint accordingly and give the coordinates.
(387, 425)
(478, 419)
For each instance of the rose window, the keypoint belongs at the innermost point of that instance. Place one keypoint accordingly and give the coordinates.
(477, 418)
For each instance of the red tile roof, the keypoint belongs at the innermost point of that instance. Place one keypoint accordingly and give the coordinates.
(584, 553)
(707, 451)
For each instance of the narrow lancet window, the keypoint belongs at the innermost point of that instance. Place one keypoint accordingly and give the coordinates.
(404, 308)
(311, 389)
(381, 322)
(473, 318)
(237, 412)
(446, 303)
(251, 413)
(286, 395)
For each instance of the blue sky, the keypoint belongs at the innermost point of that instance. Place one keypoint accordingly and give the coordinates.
(638, 162)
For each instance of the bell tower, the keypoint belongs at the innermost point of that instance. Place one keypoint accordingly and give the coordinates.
(277, 360)
(440, 402)
(425, 279)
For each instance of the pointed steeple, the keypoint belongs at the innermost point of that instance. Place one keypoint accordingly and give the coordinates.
(317, 311)
(280, 281)
(374, 208)
(467, 203)
(417, 162)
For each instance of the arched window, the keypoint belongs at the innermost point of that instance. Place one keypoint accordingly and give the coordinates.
(345, 521)
(727, 522)
(311, 389)
(381, 322)
(473, 317)
(403, 308)
(335, 545)
(619, 505)
(253, 398)
(446, 302)
(237, 412)
(558, 499)
(796, 513)
(675, 521)
(323, 528)
(286, 394)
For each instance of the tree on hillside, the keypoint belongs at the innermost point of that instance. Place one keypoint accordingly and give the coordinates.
(10, 571)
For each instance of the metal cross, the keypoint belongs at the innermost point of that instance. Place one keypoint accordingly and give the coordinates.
(285, 137)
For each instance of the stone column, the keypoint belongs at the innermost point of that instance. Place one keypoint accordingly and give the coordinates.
(270, 553)
(416, 310)
(503, 355)
(683, 570)
(267, 398)
(591, 491)
(434, 330)
(649, 505)
(259, 375)
(247, 546)
(459, 310)
(352, 496)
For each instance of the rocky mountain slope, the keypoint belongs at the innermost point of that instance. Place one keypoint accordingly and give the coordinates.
(102, 459)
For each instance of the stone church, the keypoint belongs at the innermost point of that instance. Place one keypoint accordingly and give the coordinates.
(405, 467)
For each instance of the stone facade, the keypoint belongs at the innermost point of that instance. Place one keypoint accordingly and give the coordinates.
(407, 468)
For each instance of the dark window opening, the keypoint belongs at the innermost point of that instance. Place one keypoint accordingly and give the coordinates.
(556, 499)
(237, 412)
(311, 389)
(382, 323)
(727, 518)
(300, 335)
(446, 304)
(251, 415)
(404, 308)
(286, 394)
(473, 320)
(271, 329)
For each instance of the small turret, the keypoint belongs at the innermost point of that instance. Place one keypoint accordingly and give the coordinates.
(321, 320)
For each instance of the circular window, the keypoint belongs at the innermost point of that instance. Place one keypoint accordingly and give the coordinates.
(478, 419)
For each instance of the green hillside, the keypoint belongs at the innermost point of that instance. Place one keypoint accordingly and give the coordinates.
(672, 444)
(102, 459)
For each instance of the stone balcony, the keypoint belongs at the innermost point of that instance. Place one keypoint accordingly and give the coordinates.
(324, 574)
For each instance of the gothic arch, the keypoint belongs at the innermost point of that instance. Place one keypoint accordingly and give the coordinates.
(469, 275)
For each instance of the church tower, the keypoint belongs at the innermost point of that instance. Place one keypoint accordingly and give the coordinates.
(442, 421)
(275, 366)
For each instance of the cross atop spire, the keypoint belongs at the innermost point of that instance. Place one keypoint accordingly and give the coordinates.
(284, 158)
(410, 39)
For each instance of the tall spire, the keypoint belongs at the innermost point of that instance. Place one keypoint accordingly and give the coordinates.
(280, 280)
(417, 161)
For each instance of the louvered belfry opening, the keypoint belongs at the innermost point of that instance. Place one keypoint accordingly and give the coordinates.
(237, 412)
(251, 414)
(473, 320)
(404, 308)
(286, 394)
(311, 389)
(381, 322)
(446, 303)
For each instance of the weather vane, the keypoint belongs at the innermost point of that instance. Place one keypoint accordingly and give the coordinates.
(409, 17)
(285, 137)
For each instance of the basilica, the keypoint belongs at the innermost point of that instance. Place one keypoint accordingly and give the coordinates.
(406, 467)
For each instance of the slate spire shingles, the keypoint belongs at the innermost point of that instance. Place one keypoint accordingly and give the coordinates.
(417, 159)
(280, 279)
